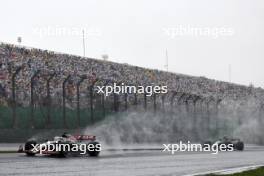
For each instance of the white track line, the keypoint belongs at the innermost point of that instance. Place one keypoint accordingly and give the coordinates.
(227, 171)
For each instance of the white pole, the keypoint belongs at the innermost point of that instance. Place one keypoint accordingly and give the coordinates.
(83, 44)
(229, 72)
(167, 61)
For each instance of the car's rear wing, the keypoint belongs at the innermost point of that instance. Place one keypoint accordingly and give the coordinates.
(85, 137)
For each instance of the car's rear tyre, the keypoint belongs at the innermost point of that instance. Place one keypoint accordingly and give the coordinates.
(207, 143)
(63, 153)
(93, 151)
(29, 146)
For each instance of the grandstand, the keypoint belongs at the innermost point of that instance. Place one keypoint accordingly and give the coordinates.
(38, 83)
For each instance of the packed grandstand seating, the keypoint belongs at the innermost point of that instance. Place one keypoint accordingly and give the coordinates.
(32, 60)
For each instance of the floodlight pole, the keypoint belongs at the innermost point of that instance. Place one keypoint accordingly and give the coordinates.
(83, 43)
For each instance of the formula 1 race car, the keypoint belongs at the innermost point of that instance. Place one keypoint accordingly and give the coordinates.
(62, 146)
(237, 143)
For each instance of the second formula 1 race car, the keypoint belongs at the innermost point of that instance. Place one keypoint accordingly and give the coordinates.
(236, 142)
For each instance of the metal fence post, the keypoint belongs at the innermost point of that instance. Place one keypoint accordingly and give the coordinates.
(32, 83)
(14, 104)
(116, 99)
(145, 101)
(126, 104)
(172, 100)
(49, 98)
(103, 100)
(217, 129)
(154, 103)
(208, 115)
(103, 104)
(78, 99)
(116, 103)
(63, 100)
(91, 102)
(163, 102)
(260, 115)
(135, 99)
(195, 125)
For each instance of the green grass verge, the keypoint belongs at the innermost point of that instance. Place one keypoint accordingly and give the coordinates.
(255, 172)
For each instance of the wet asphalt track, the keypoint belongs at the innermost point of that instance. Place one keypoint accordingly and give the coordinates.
(130, 162)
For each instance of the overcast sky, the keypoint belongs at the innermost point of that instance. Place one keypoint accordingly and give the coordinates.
(138, 32)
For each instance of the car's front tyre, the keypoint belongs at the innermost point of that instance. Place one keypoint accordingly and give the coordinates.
(29, 146)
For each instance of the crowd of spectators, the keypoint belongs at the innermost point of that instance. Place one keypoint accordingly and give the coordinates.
(43, 64)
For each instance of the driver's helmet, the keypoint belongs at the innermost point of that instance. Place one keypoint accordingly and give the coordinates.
(65, 135)
(225, 138)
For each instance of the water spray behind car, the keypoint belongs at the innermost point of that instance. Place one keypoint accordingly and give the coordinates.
(239, 119)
